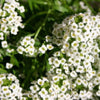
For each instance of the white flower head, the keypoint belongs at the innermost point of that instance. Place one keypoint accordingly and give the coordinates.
(50, 47)
(20, 50)
(1, 36)
(43, 92)
(40, 82)
(56, 62)
(9, 65)
(43, 49)
(73, 74)
(4, 44)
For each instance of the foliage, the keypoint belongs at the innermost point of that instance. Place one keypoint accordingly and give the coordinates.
(38, 18)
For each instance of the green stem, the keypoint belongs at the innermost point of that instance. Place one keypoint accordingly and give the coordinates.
(43, 24)
(38, 14)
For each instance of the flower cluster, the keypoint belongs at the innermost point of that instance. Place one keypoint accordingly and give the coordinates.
(74, 66)
(44, 48)
(9, 18)
(74, 71)
(10, 21)
(10, 88)
(27, 47)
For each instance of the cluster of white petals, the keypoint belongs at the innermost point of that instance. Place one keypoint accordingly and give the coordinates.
(74, 72)
(9, 18)
(27, 47)
(10, 88)
(10, 22)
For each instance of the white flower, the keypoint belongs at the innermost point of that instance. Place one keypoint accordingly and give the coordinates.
(43, 93)
(8, 94)
(74, 26)
(4, 28)
(90, 86)
(32, 41)
(57, 53)
(20, 50)
(22, 9)
(68, 96)
(78, 81)
(80, 69)
(58, 70)
(73, 74)
(55, 78)
(51, 59)
(43, 49)
(77, 62)
(4, 89)
(66, 46)
(56, 62)
(9, 65)
(10, 50)
(1, 36)
(14, 30)
(66, 82)
(4, 44)
(14, 87)
(85, 83)
(73, 35)
(75, 44)
(34, 88)
(63, 89)
(89, 95)
(98, 93)
(48, 38)
(40, 82)
(81, 24)
(61, 96)
(49, 46)
(63, 60)
(83, 94)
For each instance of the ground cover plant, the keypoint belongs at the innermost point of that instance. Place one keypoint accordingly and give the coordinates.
(49, 49)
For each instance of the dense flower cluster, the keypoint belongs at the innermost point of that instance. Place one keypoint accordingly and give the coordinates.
(74, 72)
(74, 67)
(10, 21)
(26, 46)
(10, 88)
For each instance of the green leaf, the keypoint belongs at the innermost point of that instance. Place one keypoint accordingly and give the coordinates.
(80, 87)
(78, 19)
(14, 61)
(30, 2)
(7, 82)
(1, 2)
(61, 9)
(42, 2)
(2, 71)
(58, 6)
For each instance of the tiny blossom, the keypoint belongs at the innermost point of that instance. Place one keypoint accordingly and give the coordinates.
(26, 46)
(4, 44)
(43, 49)
(56, 62)
(40, 82)
(49, 46)
(9, 65)
(10, 21)
(1, 36)
(20, 50)
(43, 92)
